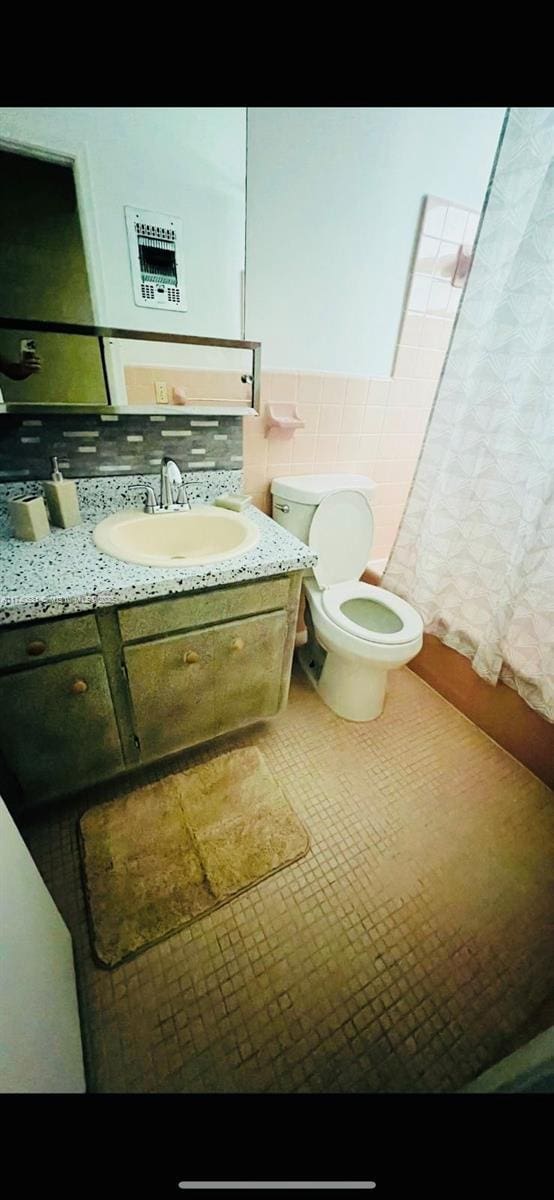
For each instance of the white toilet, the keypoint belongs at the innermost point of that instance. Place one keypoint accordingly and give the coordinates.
(356, 632)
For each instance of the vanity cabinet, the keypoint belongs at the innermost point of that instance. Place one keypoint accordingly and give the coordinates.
(58, 730)
(172, 692)
(189, 688)
(248, 656)
(85, 698)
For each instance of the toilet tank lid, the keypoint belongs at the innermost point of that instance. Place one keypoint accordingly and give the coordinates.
(310, 489)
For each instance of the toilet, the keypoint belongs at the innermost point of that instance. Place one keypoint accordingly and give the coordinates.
(357, 633)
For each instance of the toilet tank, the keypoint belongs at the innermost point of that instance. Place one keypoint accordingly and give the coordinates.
(296, 497)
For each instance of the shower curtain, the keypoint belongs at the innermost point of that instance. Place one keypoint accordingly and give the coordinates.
(475, 549)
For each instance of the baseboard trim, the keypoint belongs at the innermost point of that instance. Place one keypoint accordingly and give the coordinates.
(499, 711)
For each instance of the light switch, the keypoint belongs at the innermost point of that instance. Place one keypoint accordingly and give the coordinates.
(162, 393)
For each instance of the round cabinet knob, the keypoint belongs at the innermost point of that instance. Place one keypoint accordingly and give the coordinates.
(191, 657)
(35, 648)
(237, 644)
(78, 687)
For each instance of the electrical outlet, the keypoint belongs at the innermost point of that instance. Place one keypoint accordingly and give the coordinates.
(162, 392)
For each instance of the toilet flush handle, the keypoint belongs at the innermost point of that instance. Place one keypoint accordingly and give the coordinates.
(282, 508)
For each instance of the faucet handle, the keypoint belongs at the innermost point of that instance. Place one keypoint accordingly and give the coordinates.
(182, 498)
(149, 495)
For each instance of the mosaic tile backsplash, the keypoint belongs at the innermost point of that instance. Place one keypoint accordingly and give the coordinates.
(95, 445)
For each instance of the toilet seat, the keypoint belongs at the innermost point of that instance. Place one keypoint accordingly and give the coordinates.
(334, 597)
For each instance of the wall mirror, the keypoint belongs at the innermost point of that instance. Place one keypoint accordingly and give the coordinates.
(122, 231)
(94, 369)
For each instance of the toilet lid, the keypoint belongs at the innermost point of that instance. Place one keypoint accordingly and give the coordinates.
(341, 534)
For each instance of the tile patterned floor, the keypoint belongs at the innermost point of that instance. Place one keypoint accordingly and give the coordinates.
(404, 953)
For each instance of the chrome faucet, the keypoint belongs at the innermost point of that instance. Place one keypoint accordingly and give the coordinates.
(173, 493)
(170, 477)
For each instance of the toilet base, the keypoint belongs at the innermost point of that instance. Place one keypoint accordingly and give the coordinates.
(354, 691)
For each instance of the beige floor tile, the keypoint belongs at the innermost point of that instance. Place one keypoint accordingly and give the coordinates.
(406, 952)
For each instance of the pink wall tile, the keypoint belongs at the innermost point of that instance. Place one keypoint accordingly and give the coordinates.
(429, 364)
(196, 385)
(348, 448)
(447, 258)
(378, 391)
(284, 387)
(356, 390)
(368, 447)
(352, 419)
(302, 468)
(427, 252)
(330, 418)
(373, 418)
(310, 388)
(406, 362)
(434, 217)
(279, 449)
(262, 500)
(408, 392)
(393, 470)
(455, 223)
(419, 293)
(453, 303)
(309, 414)
(255, 442)
(363, 466)
(410, 333)
(255, 480)
(400, 446)
(471, 228)
(405, 420)
(438, 297)
(436, 332)
(334, 389)
(303, 447)
(390, 494)
(134, 376)
(326, 448)
(141, 394)
(265, 388)
(384, 540)
(426, 390)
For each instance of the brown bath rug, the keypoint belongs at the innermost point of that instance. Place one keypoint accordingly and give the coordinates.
(169, 852)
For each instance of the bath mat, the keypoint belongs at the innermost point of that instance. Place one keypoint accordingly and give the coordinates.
(171, 851)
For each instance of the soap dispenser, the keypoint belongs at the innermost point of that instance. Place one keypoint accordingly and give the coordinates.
(61, 498)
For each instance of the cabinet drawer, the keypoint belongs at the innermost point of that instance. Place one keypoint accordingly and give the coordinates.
(47, 639)
(58, 730)
(202, 608)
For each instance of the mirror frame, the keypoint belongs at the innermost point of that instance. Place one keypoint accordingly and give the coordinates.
(101, 332)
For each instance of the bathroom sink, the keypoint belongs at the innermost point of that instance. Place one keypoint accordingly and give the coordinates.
(201, 535)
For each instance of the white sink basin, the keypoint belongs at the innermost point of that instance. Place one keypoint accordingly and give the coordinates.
(203, 535)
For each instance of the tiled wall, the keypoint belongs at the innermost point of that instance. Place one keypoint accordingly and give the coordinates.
(89, 445)
(372, 426)
(197, 385)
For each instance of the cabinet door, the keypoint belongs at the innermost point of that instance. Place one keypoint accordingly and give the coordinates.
(58, 730)
(248, 669)
(172, 691)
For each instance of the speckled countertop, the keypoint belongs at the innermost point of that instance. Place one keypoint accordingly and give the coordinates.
(65, 573)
